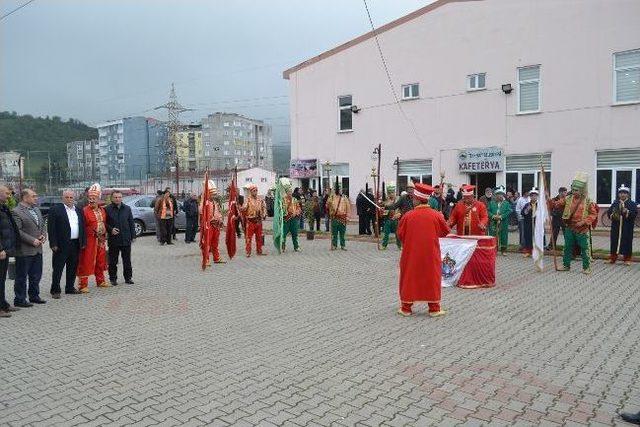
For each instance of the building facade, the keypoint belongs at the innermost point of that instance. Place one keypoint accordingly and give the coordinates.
(9, 166)
(83, 160)
(481, 91)
(190, 149)
(262, 178)
(232, 140)
(131, 149)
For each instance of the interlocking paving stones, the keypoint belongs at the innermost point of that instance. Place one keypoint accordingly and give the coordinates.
(311, 338)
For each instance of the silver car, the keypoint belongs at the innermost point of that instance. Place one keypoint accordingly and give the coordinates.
(143, 216)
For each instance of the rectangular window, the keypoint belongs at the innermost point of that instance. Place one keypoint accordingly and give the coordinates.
(226, 142)
(603, 186)
(476, 81)
(529, 89)
(226, 124)
(411, 91)
(248, 179)
(627, 76)
(346, 115)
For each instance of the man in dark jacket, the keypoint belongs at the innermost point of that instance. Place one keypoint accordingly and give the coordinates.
(8, 243)
(190, 208)
(174, 230)
(121, 232)
(65, 226)
(361, 210)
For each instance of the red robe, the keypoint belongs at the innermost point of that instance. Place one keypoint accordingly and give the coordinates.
(468, 221)
(93, 258)
(215, 225)
(420, 262)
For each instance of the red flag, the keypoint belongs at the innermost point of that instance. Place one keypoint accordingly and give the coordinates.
(205, 222)
(233, 212)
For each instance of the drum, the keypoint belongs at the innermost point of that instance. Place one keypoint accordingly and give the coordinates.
(480, 271)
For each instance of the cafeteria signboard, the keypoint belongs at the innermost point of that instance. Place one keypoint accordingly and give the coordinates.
(303, 168)
(474, 160)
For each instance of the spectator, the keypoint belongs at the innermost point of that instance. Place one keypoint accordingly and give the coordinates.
(361, 210)
(84, 199)
(488, 195)
(297, 194)
(316, 209)
(238, 220)
(122, 232)
(29, 255)
(370, 213)
(190, 208)
(8, 243)
(269, 200)
(556, 219)
(164, 212)
(450, 202)
(175, 212)
(159, 195)
(65, 224)
(325, 199)
(520, 203)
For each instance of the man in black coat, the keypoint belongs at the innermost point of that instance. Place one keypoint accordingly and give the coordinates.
(9, 240)
(121, 232)
(361, 210)
(190, 207)
(65, 227)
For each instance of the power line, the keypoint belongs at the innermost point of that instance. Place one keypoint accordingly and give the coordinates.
(389, 80)
(16, 9)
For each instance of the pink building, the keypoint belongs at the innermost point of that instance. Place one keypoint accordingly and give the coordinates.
(485, 89)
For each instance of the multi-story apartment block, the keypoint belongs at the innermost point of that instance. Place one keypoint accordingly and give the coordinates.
(131, 148)
(189, 148)
(231, 140)
(83, 160)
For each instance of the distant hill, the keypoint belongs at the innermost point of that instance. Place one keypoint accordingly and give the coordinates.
(25, 132)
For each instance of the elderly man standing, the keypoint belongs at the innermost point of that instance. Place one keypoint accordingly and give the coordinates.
(121, 231)
(190, 208)
(9, 236)
(29, 256)
(65, 226)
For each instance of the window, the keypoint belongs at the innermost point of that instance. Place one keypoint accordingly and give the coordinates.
(627, 76)
(206, 134)
(226, 152)
(614, 168)
(476, 81)
(263, 179)
(248, 179)
(225, 124)
(205, 126)
(410, 91)
(226, 142)
(529, 89)
(523, 171)
(226, 133)
(346, 115)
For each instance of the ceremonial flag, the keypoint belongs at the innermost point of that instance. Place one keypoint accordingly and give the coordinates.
(232, 215)
(541, 219)
(455, 254)
(278, 216)
(205, 222)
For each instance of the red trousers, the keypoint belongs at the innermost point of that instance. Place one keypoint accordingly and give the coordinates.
(253, 229)
(434, 307)
(214, 240)
(99, 266)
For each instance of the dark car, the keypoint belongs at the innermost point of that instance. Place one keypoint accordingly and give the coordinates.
(46, 202)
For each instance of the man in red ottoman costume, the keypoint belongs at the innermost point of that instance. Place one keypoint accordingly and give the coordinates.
(469, 215)
(420, 262)
(93, 258)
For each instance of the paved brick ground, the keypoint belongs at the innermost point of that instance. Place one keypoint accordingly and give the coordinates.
(312, 339)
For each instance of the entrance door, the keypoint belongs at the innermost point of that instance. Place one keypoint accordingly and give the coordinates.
(482, 181)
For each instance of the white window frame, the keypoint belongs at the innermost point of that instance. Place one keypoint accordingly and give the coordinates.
(411, 87)
(614, 182)
(475, 77)
(346, 107)
(520, 82)
(615, 79)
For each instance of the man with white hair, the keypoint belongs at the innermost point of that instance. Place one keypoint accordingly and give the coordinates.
(65, 227)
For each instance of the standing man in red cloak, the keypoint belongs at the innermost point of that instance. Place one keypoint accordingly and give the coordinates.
(214, 213)
(420, 262)
(93, 257)
(469, 216)
(255, 211)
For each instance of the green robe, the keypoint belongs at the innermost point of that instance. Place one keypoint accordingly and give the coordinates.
(504, 210)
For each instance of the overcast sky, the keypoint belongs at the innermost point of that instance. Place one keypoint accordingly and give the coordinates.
(96, 60)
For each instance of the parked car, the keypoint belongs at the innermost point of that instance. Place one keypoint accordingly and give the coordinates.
(46, 202)
(143, 216)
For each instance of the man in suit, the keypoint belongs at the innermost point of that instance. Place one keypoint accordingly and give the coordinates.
(29, 257)
(8, 242)
(65, 226)
(121, 231)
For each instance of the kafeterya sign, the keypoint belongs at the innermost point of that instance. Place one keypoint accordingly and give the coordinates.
(474, 160)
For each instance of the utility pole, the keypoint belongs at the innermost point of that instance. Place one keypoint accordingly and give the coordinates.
(174, 108)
